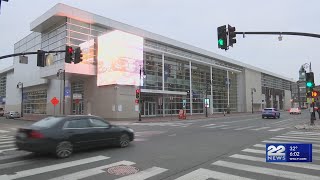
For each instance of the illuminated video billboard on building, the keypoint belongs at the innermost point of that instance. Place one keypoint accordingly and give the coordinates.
(120, 56)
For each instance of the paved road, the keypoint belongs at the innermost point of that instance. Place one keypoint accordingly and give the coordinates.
(222, 148)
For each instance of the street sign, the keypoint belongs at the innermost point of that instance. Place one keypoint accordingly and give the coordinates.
(23, 59)
(54, 101)
(67, 92)
(184, 103)
(77, 96)
(206, 103)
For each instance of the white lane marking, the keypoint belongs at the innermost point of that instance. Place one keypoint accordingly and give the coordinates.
(277, 129)
(10, 149)
(6, 139)
(241, 120)
(304, 133)
(259, 145)
(280, 121)
(301, 135)
(295, 137)
(15, 164)
(254, 151)
(92, 172)
(140, 139)
(8, 145)
(257, 129)
(3, 131)
(266, 171)
(288, 141)
(145, 174)
(248, 127)
(230, 127)
(258, 159)
(6, 142)
(44, 169)
(301, 132)
(217, 126)
(14, 129)
(208, 125)
(172, 135)
(298, 140)
(204, 174)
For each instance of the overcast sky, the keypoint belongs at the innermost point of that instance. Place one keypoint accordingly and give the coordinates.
(195, 22)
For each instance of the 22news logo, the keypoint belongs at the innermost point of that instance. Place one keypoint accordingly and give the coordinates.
(276, 153)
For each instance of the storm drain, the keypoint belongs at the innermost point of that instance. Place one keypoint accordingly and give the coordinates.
(122, 170)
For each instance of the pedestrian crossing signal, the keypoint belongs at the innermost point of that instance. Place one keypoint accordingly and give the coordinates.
(314, 94)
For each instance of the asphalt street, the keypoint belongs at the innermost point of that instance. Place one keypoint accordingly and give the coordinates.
(220, 148)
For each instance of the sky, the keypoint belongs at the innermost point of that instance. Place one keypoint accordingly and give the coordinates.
(195, 22)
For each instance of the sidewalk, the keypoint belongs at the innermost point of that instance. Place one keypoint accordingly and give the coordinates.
(168, 118)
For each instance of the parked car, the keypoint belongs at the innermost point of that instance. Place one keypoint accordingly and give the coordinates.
(295, 111)
(270, 112)
(62, 135)
(12, 114)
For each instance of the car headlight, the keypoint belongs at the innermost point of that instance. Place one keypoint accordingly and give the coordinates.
(131, 130)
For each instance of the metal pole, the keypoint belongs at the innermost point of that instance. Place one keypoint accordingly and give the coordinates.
(252, 101)
(206, 102)
(21, 99)
(282, 33)
(228, 84)
(140, 96)
(299, 94)
(64, 95)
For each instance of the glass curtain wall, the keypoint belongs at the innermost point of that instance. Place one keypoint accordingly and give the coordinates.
(77, 87)
(35, 102)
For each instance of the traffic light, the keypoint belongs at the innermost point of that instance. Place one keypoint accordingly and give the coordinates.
(309, 80)
(222, 37)
(69, 54)
(40, 58)
(315, 94)
(137, 101)
(77, 55)
(232, 35)
(138, 94)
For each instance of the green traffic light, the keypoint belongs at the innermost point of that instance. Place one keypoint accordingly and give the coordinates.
(309, 84)
(220, 42)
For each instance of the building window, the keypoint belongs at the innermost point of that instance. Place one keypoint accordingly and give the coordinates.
(35, 102)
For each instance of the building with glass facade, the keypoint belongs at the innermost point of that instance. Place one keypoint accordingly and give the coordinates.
(172, 75)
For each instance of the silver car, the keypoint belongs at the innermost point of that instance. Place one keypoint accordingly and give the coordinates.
(12, 115)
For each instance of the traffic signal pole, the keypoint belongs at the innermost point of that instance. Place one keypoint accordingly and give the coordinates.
(282, 33)
(27, 53)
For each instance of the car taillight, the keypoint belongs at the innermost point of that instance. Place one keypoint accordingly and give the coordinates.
(35, 135)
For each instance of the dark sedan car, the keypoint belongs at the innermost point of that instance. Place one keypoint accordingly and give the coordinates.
(62, 135)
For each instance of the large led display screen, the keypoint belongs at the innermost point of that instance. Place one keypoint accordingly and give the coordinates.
(120, 56)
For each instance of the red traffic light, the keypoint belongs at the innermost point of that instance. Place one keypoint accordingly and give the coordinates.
(70, 50)
(138, 91)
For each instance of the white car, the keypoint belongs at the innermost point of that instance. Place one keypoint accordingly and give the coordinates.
(12, 115)
(295, 111)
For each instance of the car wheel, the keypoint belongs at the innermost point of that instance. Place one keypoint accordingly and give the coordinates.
(124, 140)
(64, 149)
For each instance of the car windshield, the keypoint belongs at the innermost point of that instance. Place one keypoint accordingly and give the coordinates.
(269, 109)
(48, 122)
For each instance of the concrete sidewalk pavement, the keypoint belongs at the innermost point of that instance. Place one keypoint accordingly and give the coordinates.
(168, 118)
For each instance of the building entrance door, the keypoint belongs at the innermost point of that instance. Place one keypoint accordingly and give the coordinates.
(149, 108)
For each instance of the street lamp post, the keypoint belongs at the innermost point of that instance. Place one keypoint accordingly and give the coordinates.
(63, 72)
(252, 90)
(20, 85)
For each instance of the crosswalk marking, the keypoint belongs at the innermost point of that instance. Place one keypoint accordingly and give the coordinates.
(263, 145)
(299, 165)
(15, 164)
(292, 139)
(254, 151)
(92, 172)
(8, 145)
(303, 134)
(289, 141)
(228, 127)
(298, 137)
(10, 149)
(281, 121)
(277, 129)
(204, 174)
(217, 126)
(4, 131)
(208, 125)
(6, 139)
(6, 142)
(248, 127)
(266, 171)
(260, 128)
(35, 171)
(145, 174)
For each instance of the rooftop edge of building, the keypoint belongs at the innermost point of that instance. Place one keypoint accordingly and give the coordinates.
(60, 11)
